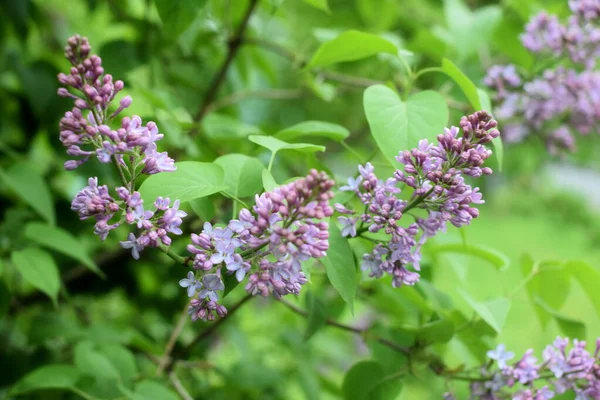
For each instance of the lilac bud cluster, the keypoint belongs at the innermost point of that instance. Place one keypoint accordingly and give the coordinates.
(436, 173)
(266, 245)
(560, 370)
(561, 100)
(88, 135)
(132, 147)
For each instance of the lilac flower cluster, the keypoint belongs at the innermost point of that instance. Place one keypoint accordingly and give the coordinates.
(267, 245)
(436, 173)
(560, 100)
(559, 371)
(132, 147)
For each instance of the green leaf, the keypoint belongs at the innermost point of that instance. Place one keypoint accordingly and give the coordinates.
(5, 299)
(230, 282)
(398, 125)
(203, 207)
(150, 390)
(350, 46)
(276, 145)
(122, 359)
(243, 174)
(440, 331)
(340, 267)
(62, 241)
(569, 327)
(317, 314)
(268, 181)
(493, 312)
(366, 381)
(93, 363)
(465, 84)
(223, 127)
(25, 181)
(319, 4)
(178, 15)
(314, 129)
(47, 377)
(192, 180)
(588, 277)
(494, 257)
(38, 268)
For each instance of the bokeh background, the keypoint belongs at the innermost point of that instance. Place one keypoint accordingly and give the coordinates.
(539, 206)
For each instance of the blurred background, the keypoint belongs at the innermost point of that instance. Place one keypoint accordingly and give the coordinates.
(539, 207)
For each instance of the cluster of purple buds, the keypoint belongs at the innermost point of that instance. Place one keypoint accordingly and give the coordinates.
(559, 371)
(435, 173)
(266, 245)
(132, 147)
(95, 201)
(561, 96)
(84, 130)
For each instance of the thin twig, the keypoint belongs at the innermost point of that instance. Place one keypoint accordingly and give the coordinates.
(233, 47)
(359, 331)
(172, 340)
(277, 94)
(206, 333)
(178, 386)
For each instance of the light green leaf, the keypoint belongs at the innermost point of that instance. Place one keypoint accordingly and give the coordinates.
(224, 127)
(398, 125)
(493, 312)
(47, 377)
(319, 4)
(25, 181)
(93, 363)
(588, 277)
(314, 129)
(122, 359)
(203, 207)
(317, 314)
(5, 299)
(243, 174)
(178, 15)
(569, 327)
(276, 145)
(268, 181)
(62, 241)
(440, 331)
(350, 46)
(340, 266)
(38, 268)
(192, 180)
(494, 257)
(150, 390)
(465, 84)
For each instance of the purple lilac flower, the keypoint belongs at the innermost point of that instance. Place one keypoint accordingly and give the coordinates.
(85, 131)
(435, 173)
(544, 33)
(561, 370)
(267, 244)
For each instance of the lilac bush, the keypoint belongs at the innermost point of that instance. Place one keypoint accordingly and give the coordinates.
(559, 370)
(86, 131)
(560, 100)
(436, 173)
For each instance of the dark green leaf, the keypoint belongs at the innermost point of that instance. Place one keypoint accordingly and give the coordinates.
(203, 207)
(340, 267)
(47, 377)
(366, 381)
(319, 4)
(350, 46)
(62, 241)
(122, 359)
(317, 314)
(24, 180)
(178, 15)
(192, 180)
(440, 331)
(150, 390)
(93, 363)
(224, 127)
(398, 125)
(38, 268)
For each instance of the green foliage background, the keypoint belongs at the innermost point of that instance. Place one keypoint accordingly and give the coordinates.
(107, 318)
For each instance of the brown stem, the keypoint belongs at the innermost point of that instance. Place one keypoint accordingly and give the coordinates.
(206, 333)
(233, 44)
(359, 331)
